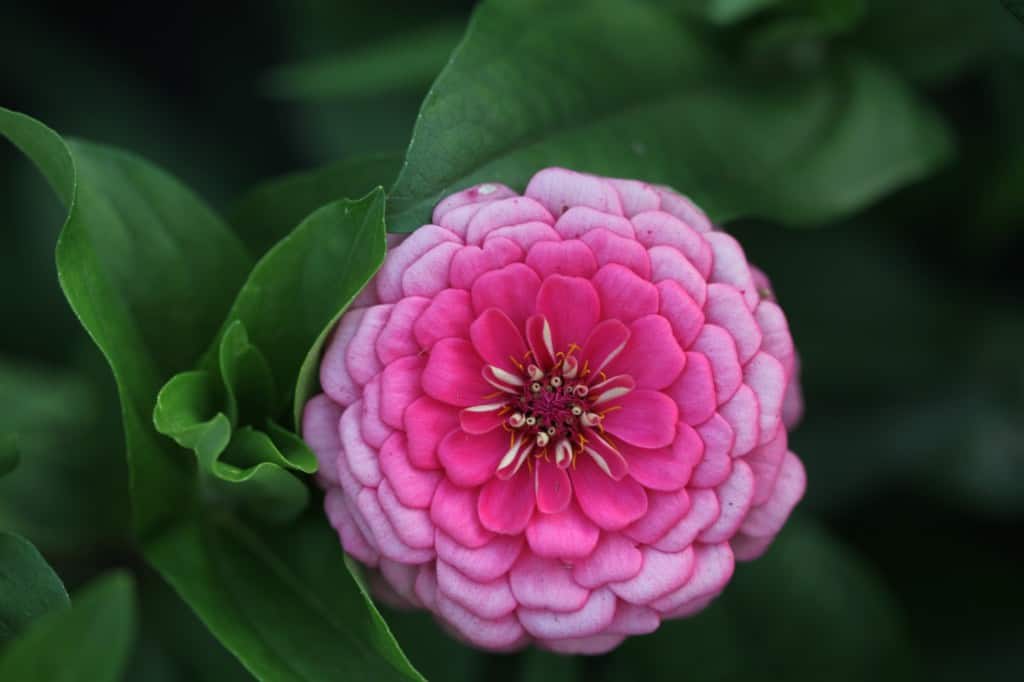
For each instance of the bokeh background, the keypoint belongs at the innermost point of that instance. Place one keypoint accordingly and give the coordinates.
(909, 315)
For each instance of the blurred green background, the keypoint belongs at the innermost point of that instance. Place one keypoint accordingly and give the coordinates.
(909, 315)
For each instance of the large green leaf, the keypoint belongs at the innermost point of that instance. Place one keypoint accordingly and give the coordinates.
(520, 94)
(807, 610)
(150, 274)
(88, 643)
(29, 588)
(9, 454)
(1015, 7)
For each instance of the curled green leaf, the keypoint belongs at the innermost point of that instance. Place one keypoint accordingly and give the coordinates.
(249, 387)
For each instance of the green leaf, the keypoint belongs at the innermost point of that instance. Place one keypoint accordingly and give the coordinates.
(404, 61)
(88, 643)
(149, 270)
(1015, 7)
(9, 454)
(268, 212)
(290, 612)
(807, 610)
(520, 94)
(29, 588)
(724, 12)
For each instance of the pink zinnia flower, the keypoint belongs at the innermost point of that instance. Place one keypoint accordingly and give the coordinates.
(559, 417)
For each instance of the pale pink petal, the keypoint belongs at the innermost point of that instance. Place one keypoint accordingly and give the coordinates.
(386, 539)
(793, 403)
(361, 355)
(705, 509)
(668, 468)
(334, 376)
(453, 510)
(497, 634)
(373, 428)
(448, 316)
(682, 312)
(668, 264)
(414, 487)
(320, 423)
(426, 423)
(399, 259)
(485, 599)
(720, 349)
(730, 266)
(596, 615)
(567, 535)
(352, 538)
(506, 505)
(712, 569)
(635, 196)
(744, 416)
(694, 390)
(457, 219)
(411, 525)
(401, 578)
(483, 193)
(429, 274)
(645, 418)
(633, 619)
(470, 460)
(425, 586)
(609, 247)
(558, 189)
(551, 487)
(452, 374)
(658, 228)
(661, 573)
(512, 289)
(663, 512)
(498, 341)
(396, 339)
(570, 258)
(473, 261)
(766, 461)
(505, 212)
(571, 306)
(540, 583)
(775, 330)
(400, 386)
(361, 458)
(579, 220)
(485, 563)
(681, 207)
(610, 504)
(767, 378)
(527, 234)
(615, 558)
(725, 307)
(652, 356)
(624, 295)
(734, 498)
(767, 519)
(715, 467)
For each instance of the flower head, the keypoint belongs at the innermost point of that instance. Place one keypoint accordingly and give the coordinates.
(559, 417)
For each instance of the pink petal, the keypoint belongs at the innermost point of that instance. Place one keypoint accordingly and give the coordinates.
(681, 207)
(400, 386)
(487, 600)
(734, 497)
(498, 634)
(452, 374)
(694, 390)
(559, 189)
(401, 578)
(498, 341)
(334, 376)
(361, 458)
(712, 569)
(373, 428)
(483, 193)
(396, 339)
(652, 356)
(646, 418)
(725, 307)
(635, 196)
(425, 587)
(320, 418)
(744, 416)
(566, 535)
(767, 519)
(610, 504)
(662, 572)
(361, 355)
(512, 289)
(624, 295)
(730, 266)
(704, 511)
(596, 615)
(470, 460)
(485, 563)
(766, 461)
(667, 264)
(633, 619)
(615, 558)
(453, 510)
(682, 312)
(352, 539)
(540, 583)
(767, 378)
(526, 234)
(552, 488)
(571, 306)
(389, 278)
(498, 214)
(426, 423)
(484, 418)
(720, 349)
(715, 467)
(605, 342)
(412, 525)
(413, 487)
(668, 468)
(570, 258)
(448, 316)
(777, 340)
(658, 228)
(506, 506)
(663, 512)
(579, 220)
(609, 247)
(387, 540)
(473, 261)
(429, 274)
